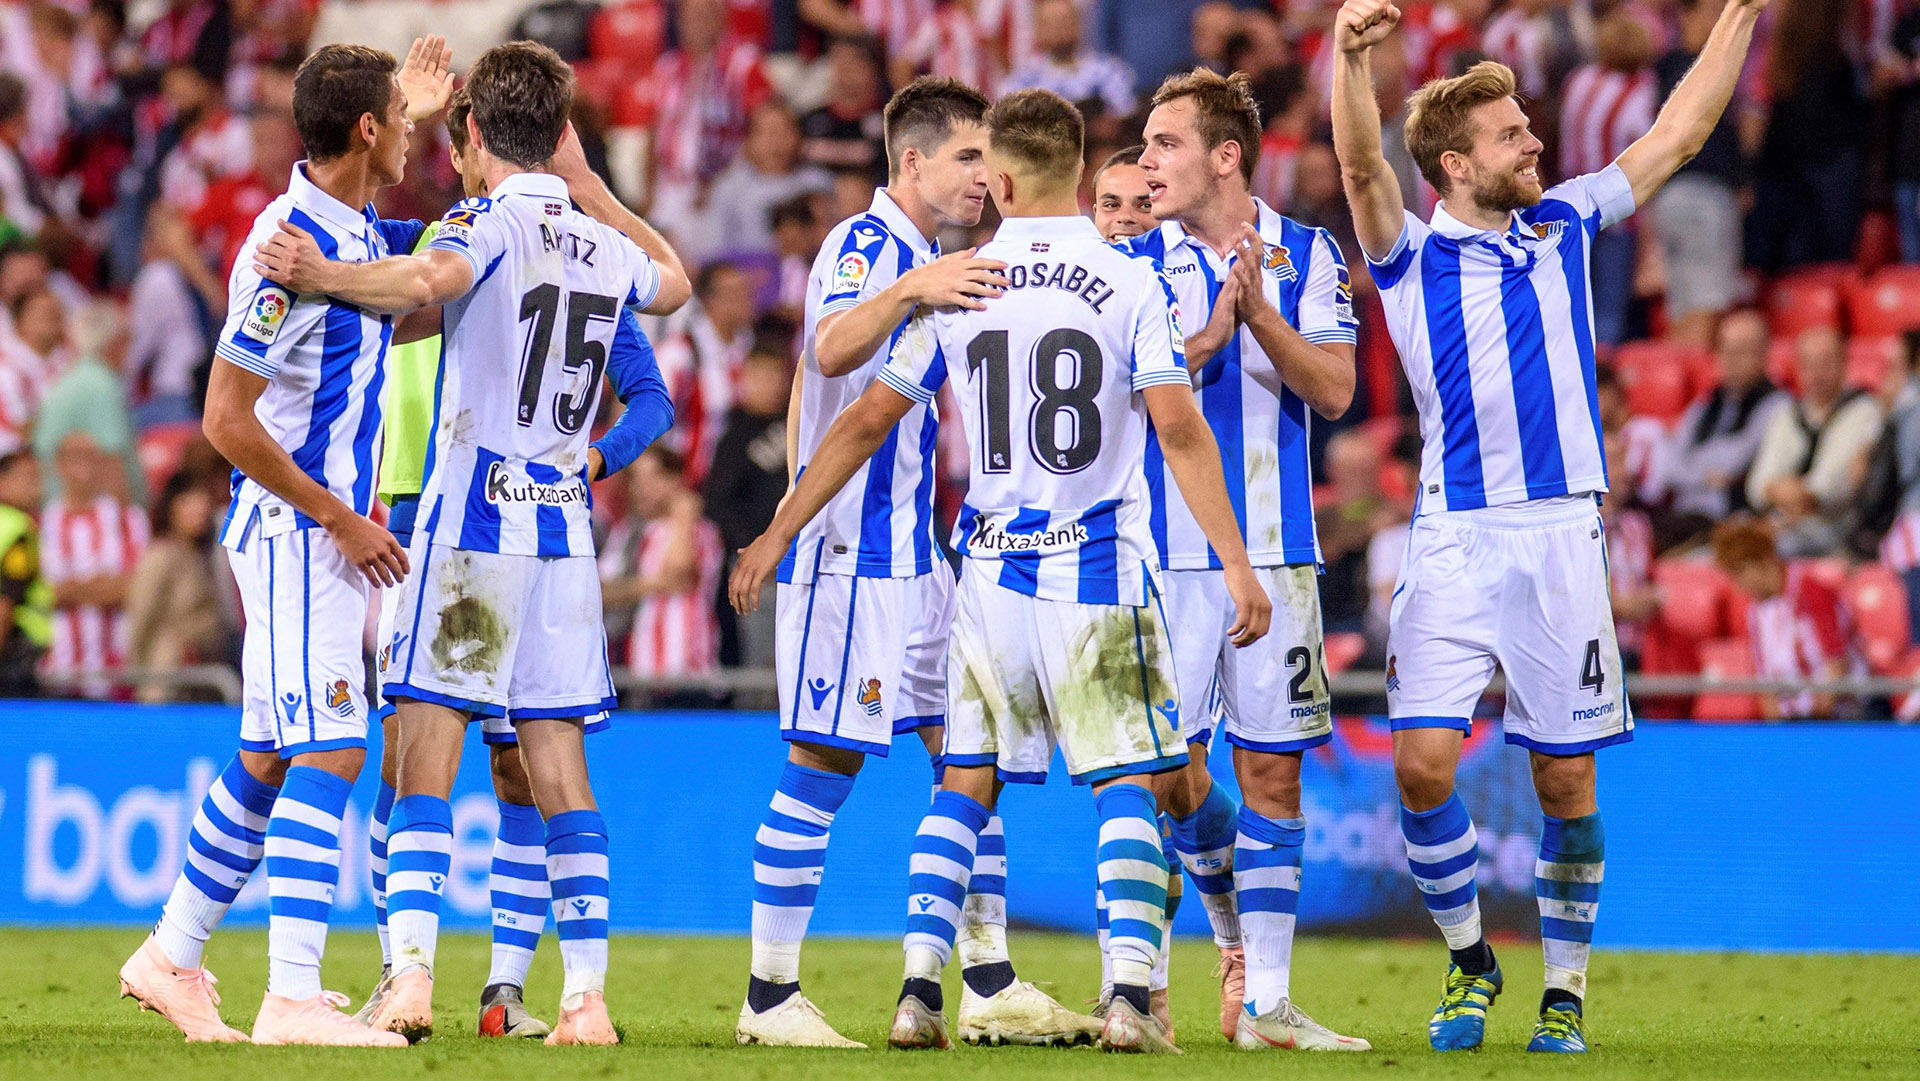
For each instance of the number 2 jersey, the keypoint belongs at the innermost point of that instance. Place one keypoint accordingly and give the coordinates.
(1049, 382)
(525, 350)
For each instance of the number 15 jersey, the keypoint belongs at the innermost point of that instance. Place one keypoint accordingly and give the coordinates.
(525, 350)
(1049, 380)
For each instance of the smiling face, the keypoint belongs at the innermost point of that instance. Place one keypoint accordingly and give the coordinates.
(952, 177)
(1181, 173)
(1122, 206)
(1502, 172)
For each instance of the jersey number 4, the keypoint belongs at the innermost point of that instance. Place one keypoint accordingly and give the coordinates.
(542, 306)
(1063, 430)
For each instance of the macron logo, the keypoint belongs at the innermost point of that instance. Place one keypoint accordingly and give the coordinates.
(818, 690)
(924, 902)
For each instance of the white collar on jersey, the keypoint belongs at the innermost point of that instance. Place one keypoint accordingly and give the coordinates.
(309, 197)
(1268, 228)
(538, 185)
(1454, 229)
(899, 224)
(1073, 227)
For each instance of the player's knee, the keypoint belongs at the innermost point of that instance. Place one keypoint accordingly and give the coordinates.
(510, 782)
(1269, 783)
(974, 782)
(1424, 784)
(264, 766)
(841, 760)
(342, 762)
(1564, 784)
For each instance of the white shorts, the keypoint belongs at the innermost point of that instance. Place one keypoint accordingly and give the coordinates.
(1029, 674)
(493, 730)
(1524, 587)
(861, 660)
(494, 635)
(1271, 694)
(303, 675)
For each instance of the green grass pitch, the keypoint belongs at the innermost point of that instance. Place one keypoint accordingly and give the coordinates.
(1653, 1016)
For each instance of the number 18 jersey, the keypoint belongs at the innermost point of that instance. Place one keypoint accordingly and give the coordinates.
(1049, 376)
(525, 352)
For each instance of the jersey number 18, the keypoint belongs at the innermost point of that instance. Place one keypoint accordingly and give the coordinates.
(1063, 430)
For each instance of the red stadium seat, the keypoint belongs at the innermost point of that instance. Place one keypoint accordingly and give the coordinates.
(631, 33)
(1726, 657)
(1658, 377)
(1805, 298)
(1781, 366)
(160, 449)
(1886, 304)
(1878, 600)
(1697, 599)
(1869, 360)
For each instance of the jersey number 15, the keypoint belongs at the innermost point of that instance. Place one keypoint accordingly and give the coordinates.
(542, 305)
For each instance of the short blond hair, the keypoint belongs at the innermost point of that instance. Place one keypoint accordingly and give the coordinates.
(1440, 116)
(1224, 110)
(1040, 130)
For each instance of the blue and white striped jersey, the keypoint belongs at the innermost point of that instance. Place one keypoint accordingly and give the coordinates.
(520, 377)
(881, 524)
(1057, 506)
(1261, 425)
(1495, 330)
(324, 361)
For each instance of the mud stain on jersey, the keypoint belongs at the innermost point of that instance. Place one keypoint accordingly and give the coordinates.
(1114, 700)
(470, 637)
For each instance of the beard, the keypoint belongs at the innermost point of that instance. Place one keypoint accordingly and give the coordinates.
(1506, 192)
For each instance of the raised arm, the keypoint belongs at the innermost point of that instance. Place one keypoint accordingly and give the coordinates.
(1373, 191)
(1690, 115)
(598, 202)
(392, 286)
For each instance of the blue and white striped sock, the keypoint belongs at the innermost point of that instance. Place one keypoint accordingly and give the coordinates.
(303, 869)
(419, 858)
(1205, 841)
(1133, 877)
(377, 828)
(517, 884)
(1266, 880)
(789, 856)
(577, 870)
(983, 918)
(937, 877)
(1444, 854)
(228, 839)
(1175, 890)
(1566, 880)
(1101, 934)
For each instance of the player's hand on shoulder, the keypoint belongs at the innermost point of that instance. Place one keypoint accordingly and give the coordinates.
(370, 548)
(570, 158)
(959, 280)
(291, 257)
(1362, 24)
(1253, 609)
(756, 564)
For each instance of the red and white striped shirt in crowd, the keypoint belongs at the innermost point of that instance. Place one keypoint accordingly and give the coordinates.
(1629, 565)
(1520, 41)
(1900, 548)
(104, 537)
(1648, 443)
(1273, 171)
(702, 371)
(1436, 34)
(703, 104)
(20, 395)
(1603, 112)
(1800, 633)
(894, 22)
(677, 635)
(958, 43)
(219, 149)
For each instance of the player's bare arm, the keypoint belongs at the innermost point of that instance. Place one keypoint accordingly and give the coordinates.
(598, 202)
(853, 438)
(793, 424)
(396, 285)
(1194, 457)
(1689, 116)
(233, 429)
(426, 77)
(1372, 190)
(845, 340)
(1322, 375)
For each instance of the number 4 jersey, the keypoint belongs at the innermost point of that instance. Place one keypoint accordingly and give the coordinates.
(525, 352)
(1050, 375)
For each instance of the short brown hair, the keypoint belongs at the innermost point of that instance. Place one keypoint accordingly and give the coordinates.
(522, 93)
(459, 107)
(1129, 156)
(1224, 110)
(925, 112)
(333, 89)
(1740, 542)
(1440, 115)
(1041, 130)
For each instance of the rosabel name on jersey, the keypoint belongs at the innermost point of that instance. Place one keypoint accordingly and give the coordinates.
(1074, 279)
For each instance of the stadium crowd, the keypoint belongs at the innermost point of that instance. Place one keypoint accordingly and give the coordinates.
(1760, 392)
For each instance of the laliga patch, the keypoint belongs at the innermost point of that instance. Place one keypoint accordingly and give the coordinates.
(1342, 296)
(269, 311)
(850, 273)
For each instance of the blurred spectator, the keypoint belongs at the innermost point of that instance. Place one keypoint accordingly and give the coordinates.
(1352, 511)
(1211, 31)
(89, 397)
(1807, 180)
(847, 133)
(1257, 45)
(662, 563)
(62, 70)
(173, 612)
(35, 349)
(1697, 215)
(225, 213)
(1804, 473)
(1288, 112)
(1521, 37)
(1715, 440)
(26, 603)
(749, 476)
(1100, 84)
(957, 40)
(1797, 624)
(89, 541)
(1608, 104)
(25, 202)
(1896, 469)
(705, 90)
(889, 22)
(1630, 551)
(173, 301)
(1898, 71)
(1156, 39)
(739, 214)
(797, 235)
(1643, 439)
(1443, 36)
(701, 362)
